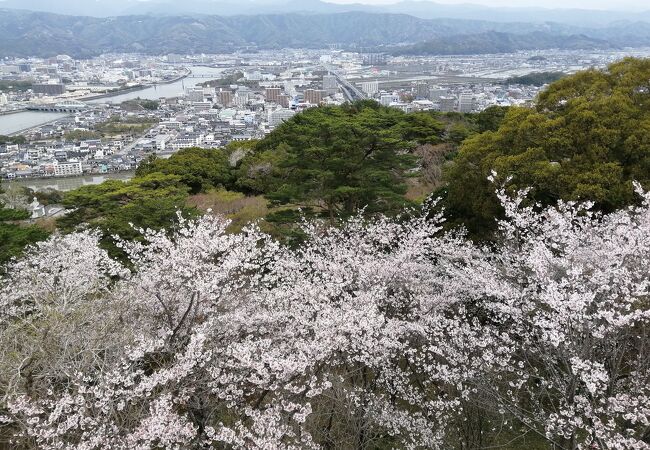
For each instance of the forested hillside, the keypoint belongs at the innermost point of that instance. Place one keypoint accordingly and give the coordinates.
(499, 42)
(27, 34)
(586, 139)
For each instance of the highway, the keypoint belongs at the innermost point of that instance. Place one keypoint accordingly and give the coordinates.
(400, 81)
(351, 92)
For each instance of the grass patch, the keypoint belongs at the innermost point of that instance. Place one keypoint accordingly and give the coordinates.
(418, 190)
(237, 207)
(128, 125)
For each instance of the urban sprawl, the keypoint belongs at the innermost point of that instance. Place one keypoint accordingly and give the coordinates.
(107, 114)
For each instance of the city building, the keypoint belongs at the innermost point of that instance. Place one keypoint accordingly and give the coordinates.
(313, 96)
(173, 58)
(255, 75)
(387, 99)
(464, 83)
(284, 100)
(466, 102)
(447, 104)
(374, 59)
(370, 87)
(436, 92)
(242, 97)
(224, 98)
(421, 90)
(330, 84)
(280, 115)
(194, 94)
(49, 89)
(273, 94)
(9, 69)
(187, 140)
(69, 168)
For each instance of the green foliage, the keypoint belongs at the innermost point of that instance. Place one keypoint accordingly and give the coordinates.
(15, 236)
(134, 120)
(12, 139)
(587, 139)
(15, 86)
(225, 81)
(326, 161)
(128, 125)
(536, 78)
(116, 207)
(236, 206)
(81, 135)
(498, 42)
(490, 119)
(200, 169)
(422, 128)
(228, 80)
(458, 132)
(240, 145)
(47, 196)
(261, 171)
(335, 160)
(150, 105)
(7, 214)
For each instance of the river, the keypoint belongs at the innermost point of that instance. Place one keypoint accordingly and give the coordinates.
(169, 90)
(13, 123)
(69, 183)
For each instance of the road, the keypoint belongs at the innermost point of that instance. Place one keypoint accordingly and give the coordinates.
(398, 81)
(351, 92)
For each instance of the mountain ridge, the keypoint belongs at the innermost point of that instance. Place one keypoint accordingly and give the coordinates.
(420, 8)
(25, 33)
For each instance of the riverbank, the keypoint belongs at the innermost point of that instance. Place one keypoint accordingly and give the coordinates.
(15, 111)
(140, 87)
(65, 184)
(15, 133)
(27, 120)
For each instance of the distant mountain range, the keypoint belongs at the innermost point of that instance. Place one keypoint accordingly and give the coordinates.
(494, 42)
(24, 33)
(419, 8)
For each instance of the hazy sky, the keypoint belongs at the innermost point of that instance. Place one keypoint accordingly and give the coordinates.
(586, 4)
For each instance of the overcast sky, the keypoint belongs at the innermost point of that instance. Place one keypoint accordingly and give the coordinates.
(586, 4)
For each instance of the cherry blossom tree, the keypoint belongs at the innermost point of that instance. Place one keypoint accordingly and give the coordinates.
(384, 333)
(571, 289)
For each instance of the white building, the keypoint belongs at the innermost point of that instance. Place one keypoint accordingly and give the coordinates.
(9, 69)
(256, 75)
(407, 108)
(187, 140)
(387, 99)
(195, 94)
(436, 92)
(466, 102)
(370, 87)
(65, 169)
(162, 140)
(280, 115)
(34, 154)
(330, 84)
(447, 104)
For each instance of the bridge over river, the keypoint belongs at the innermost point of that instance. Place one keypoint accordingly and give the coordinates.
(68, 106)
